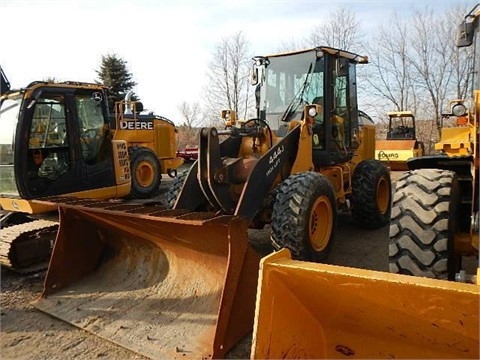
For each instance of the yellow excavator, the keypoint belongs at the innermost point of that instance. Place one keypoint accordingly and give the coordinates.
(179, 281)
(401, 142)
(428, 306)
(58, 139)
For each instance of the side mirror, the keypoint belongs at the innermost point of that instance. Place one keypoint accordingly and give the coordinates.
(229, 117)
(465, 34)
(254, 75)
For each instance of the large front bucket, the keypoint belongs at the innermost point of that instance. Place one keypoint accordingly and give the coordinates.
(306, 310)
(163, 283)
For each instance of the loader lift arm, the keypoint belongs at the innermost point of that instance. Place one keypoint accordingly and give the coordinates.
(216, 173)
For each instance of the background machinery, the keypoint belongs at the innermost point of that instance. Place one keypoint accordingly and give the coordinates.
(57, 140)
(185, 275)
(401, 142)
(152, 146)
(445, 187)
(340, 312)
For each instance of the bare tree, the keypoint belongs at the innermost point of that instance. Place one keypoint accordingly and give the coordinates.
(389, 75)
(432, 56)
(462, 58)
(191, 114)
(228, 78)
(342, 31)
(414, 65)
(293, 45)
(192, 118)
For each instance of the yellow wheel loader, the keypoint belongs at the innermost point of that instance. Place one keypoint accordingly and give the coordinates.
(56, 140)
(179, 281)
(307, 310)
(152, 146)
(401, 142)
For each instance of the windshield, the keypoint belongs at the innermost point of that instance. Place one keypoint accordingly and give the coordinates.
(9, 110)
(290, 82)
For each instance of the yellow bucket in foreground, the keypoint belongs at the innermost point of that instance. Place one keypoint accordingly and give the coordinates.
(308, 310)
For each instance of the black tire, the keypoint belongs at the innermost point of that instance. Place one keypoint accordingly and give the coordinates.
(304, 216)
(371, 194)
(424, 217)
(146, 173)
(174, 189)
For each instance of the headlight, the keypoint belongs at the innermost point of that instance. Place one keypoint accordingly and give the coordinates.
(459, 109)
(312, 112)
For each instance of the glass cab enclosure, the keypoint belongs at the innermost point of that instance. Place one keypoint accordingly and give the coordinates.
(54, 140)
(323, 76)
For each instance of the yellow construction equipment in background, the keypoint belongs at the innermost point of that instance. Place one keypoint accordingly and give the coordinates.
(152, 146)
(306, 310)
(181, 281)
(401, 143)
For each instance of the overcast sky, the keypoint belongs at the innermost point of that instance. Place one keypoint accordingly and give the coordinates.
(167, 44)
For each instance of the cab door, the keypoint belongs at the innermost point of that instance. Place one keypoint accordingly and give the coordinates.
(62, 143)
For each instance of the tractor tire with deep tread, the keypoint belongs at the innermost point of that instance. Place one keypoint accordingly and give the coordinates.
(146, 173)
(172, 193)
(304, 216)
(422, 224)
(371, 194)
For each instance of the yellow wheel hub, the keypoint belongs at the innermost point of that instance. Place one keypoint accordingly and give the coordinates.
(145, 173)
(320, 224)
(383, 195)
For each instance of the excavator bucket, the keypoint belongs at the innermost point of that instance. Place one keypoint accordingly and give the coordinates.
(307, 310)
(162, 283)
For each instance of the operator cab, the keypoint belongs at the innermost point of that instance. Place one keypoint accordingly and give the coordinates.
(401, 126)
(323, 76)
(54, 140)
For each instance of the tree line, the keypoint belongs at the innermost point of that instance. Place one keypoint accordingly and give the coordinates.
(413, 65)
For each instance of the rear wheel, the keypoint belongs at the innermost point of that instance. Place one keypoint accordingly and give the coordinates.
(146, 173)
(371, 194)
(423, 224)
(304, 216)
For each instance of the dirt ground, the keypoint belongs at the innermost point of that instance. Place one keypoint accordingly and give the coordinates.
(27, 333)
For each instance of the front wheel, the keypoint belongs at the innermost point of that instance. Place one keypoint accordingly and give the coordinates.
(424, 219)
(304, 216)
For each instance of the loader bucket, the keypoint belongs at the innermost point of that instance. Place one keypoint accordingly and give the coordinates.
(308, 310)
(162, 283)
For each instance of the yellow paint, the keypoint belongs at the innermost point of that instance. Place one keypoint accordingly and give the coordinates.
(309, 310)
(394, 155)
(303, 161)
(457, 141)
(25, 206)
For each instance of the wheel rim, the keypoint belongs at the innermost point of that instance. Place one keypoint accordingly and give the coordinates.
(145, 173)
(321, 219)
(383, 195)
